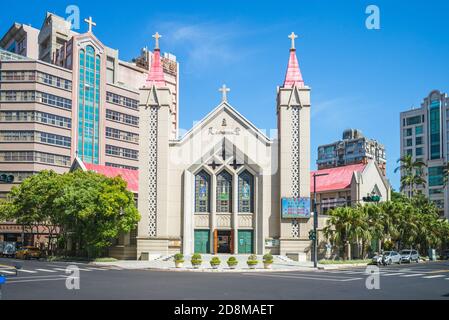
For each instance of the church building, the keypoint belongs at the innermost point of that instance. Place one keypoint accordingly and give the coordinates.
(225, 186)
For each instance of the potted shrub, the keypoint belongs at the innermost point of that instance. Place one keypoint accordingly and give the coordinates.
(267, 260)
(179, 260)
(232, 262)
(196, 260)
(252, 261)
(215, 262)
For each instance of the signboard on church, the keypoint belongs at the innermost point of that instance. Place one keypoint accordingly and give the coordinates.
(294, 208)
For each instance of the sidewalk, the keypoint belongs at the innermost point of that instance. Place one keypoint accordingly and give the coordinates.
(280, 264)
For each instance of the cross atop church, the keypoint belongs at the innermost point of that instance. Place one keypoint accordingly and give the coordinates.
(293, 36)
(156, 36)
(224, 91)
(90, 22)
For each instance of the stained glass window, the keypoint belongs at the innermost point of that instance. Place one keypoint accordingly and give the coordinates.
(246, 194)
(224, 192)
(202, 192)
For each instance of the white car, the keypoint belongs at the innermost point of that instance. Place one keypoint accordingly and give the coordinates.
(409, 256)
(390, 257)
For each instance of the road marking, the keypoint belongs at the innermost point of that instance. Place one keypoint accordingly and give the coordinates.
(34, 280)
(92, 268)
(433, 277)
(302, 277)
(7, 272)
(413, 275)
(60, 269)
(27, 271)
(392, 274)
(45, 270)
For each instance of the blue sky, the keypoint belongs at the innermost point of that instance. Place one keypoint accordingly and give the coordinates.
(359, 78)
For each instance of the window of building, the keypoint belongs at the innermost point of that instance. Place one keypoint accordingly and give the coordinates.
(202, 192)
(122, 135)
(122, 166)
(408, 132)
(122, 152)
(409, 152)
(413, 120)
(418, 152)
(419, 141)
(122, 117)
(122, 101)
(110, 69)
(418, 130)
(246, 192)
(409, 142)
(224, 192)
(436, 176)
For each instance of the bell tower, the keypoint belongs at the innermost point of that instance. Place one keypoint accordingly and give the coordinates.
(293, 112)
(154, 134)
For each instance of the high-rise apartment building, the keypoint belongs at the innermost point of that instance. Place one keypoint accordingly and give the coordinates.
(64, 94)
(425, 136)
(354, 148)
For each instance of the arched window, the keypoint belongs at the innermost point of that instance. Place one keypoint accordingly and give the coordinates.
(202, 192)
(246, 192)
(224, 192)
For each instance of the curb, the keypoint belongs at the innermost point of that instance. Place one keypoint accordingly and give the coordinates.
(226, 270)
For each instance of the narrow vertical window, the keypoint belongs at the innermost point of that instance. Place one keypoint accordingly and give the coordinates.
(224, 192)
(246, 193)
(202, 192)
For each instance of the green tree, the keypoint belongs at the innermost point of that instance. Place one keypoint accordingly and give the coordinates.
(411, 174)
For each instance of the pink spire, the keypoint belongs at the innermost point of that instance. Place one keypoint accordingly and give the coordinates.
(156, 74)
(293, 75)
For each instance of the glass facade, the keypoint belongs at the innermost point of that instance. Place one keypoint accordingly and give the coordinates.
(89, 105)
(435, 130)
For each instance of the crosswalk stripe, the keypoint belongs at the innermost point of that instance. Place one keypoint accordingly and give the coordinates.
(432, 277)
(59, 269)
(392, 274)
(92, 268)
(413, 275)
(45, 270)
(27, 271)
(7, 272)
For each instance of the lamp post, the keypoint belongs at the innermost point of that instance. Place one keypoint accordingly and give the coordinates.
(315, 219)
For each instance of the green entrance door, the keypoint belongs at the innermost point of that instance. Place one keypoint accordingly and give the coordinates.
(245, 240)
(202, 241)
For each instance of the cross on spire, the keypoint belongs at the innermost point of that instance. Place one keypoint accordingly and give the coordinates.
(224, 90)
(90, 22)
(293, 36)
(156, 36)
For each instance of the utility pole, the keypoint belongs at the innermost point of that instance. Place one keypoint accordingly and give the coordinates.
(315, 220)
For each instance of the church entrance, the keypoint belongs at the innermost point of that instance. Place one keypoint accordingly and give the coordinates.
(202, 241)
(223, 241)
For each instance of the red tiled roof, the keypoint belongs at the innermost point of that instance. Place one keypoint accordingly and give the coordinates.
(338, 178)
(130, 176)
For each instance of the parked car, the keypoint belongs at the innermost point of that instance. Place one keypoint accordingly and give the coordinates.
(409, 256)
(445, 255)
(28, 252)
(390, 257)
(377, 259)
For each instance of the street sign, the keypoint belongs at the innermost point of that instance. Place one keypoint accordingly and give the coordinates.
(293, 208)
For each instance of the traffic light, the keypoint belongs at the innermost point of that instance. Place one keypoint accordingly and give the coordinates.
(312, 235)
(6, 178)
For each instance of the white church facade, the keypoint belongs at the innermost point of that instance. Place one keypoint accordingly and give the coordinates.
(224, 186)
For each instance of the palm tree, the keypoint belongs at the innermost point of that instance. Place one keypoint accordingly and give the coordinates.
(411, 174)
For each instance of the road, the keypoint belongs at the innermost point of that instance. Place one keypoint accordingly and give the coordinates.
(47, 280)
